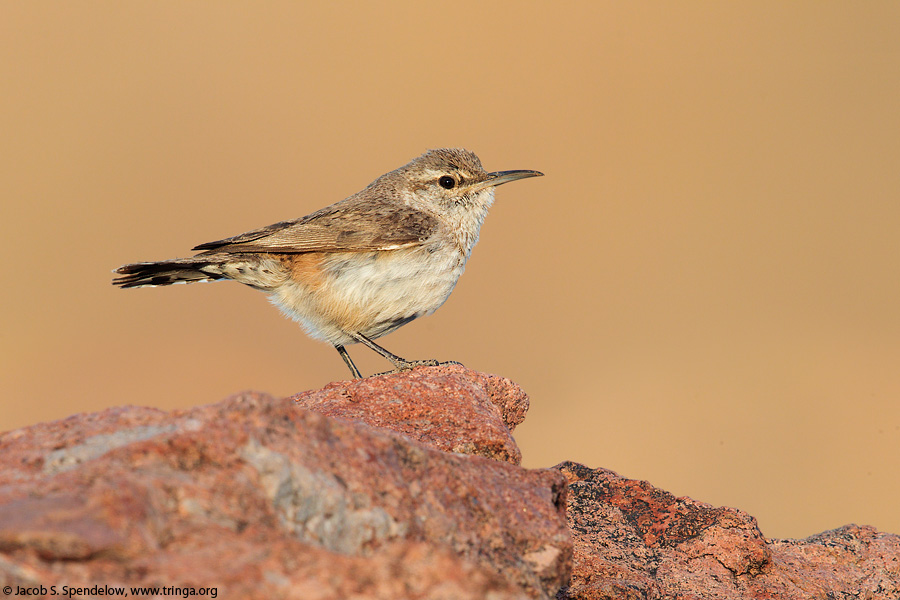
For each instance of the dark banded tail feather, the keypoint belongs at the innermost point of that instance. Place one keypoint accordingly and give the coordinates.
(167, 272)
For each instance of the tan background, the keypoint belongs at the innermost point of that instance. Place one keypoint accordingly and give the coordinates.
(702, 292)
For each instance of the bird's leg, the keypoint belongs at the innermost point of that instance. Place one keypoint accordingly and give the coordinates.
(348, 361)
(400, 364)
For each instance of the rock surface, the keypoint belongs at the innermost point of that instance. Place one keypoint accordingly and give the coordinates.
(393, 487)
(448, 407)
(261, 498)
(633, 540)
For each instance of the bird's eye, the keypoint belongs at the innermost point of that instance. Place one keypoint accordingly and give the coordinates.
(447, 182)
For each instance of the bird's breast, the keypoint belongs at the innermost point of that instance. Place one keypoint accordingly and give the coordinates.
(372, 293)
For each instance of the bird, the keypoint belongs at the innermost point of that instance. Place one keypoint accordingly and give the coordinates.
(362, 267)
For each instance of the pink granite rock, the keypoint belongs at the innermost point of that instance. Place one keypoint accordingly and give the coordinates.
(397, 486)
(633, 540)
(260, 498)
(447, 407)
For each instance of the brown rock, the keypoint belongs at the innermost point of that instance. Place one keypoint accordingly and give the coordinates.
(635, 541)
(262, 499)
(382, 488)
(447, 407)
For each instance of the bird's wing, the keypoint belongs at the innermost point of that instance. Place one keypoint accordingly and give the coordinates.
(345, 226)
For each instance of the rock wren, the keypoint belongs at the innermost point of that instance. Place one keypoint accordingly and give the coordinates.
(358, 269)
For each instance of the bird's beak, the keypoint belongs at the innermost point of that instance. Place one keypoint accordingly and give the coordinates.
(501, 177)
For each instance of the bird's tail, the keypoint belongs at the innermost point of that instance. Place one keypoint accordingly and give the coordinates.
(167, 272)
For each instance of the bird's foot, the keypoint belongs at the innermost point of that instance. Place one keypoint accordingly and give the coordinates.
(408, 365)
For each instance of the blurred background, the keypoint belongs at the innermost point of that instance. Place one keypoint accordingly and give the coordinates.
(703, 292)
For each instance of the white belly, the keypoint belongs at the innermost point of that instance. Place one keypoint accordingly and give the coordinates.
(370, 293)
